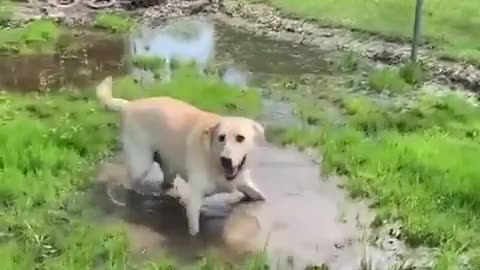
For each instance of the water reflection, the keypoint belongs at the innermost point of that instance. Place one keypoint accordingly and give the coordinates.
(185, 40)
(205, 41)
(244, 59)
(96, 58)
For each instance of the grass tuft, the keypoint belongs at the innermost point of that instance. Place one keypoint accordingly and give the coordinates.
(113, 22)
(412, 73)
(349, 62)
(387, 79)
(151, 63)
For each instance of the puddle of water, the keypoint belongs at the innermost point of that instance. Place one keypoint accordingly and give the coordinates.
(303, 222)
(98, 58)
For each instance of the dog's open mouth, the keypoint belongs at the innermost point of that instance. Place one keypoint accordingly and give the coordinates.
(232, 171)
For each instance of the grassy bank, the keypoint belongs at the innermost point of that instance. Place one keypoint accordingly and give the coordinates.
(35, 37)
(451, 25)
(115, 23)
(49, 148)
(416, 159)
(46, 37)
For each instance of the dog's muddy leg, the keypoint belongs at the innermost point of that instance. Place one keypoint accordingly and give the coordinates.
(139, 161)
(198, 187)
(168, 175)
(194, 205)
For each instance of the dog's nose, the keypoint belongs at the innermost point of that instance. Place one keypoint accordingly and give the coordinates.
(226, 162)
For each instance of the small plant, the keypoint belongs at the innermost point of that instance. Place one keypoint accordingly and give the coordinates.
(349, 62)
(387, 79)
(6, 12)
(151, 63)
(412, 73)
(113, 22)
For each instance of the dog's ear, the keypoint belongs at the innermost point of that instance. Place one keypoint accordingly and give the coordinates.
(208, 133)
(211, 129)
(259, 130)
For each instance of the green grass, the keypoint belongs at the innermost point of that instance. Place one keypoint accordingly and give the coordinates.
(389, 79)
(349, 62)
(115, 23)
(6, 11)
(49, 148)
(412, 73)
(35, 37)
(418, 163)
(151, 63)
(451, 25)
(397, 80)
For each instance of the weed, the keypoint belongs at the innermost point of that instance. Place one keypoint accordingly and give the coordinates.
(387, 79)
(6, 12)
(349, 62)
(113, 22)
(151, 63)
(412, 73)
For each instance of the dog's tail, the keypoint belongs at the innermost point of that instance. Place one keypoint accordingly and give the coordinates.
(104, 95)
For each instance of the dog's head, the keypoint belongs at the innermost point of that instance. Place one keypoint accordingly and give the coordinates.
(232, 140)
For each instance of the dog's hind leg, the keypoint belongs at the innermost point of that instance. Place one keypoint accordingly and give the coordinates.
(168, 174)
(139, 163)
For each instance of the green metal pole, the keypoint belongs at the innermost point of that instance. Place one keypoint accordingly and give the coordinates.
(416, 30)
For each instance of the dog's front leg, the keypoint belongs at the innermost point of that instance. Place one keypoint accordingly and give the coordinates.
(193, 206)
(197, 189)
(249, 188)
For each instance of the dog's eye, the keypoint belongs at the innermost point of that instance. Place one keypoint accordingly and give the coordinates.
(240, 138)
(221, 138)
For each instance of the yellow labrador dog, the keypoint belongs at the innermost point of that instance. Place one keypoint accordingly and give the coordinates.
(207, 150)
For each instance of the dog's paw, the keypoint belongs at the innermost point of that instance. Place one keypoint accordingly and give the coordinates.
(174, 193)
(193, 231)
